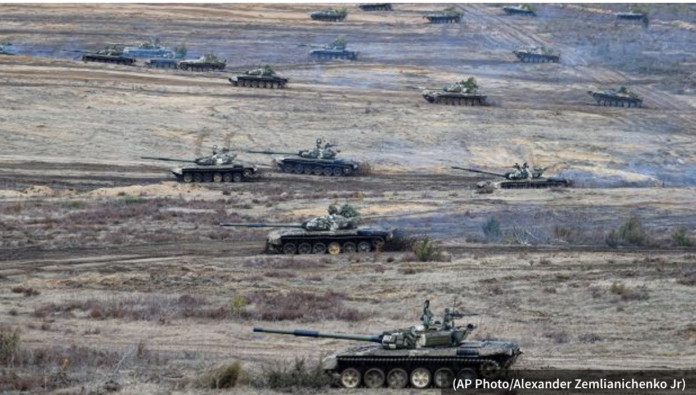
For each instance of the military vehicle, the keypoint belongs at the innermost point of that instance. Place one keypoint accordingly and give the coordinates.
(8, 49)
(335, 233)
(620, 97)
(320, 161)
(162, 63)
(521, 178)
(376, 7)
(330, 15)
(537, 55)
(632, 17)
(207, 62)
(462, 93)
(218, 167)
(110, 54)
(420, 356)
(522, 9)
(448, 15)
(264, 77)
(149, 49)
(336, 50)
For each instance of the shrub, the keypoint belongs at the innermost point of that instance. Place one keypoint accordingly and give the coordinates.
(237, 304)
(226, 376)
(9, 344)
(681, 238)
(427, 250)
(632, 231)
(284, 375)
(558, 336)
(491, 229)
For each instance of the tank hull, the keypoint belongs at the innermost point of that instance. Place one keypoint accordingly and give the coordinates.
(327, 54)
(454, 99)
(518, 11)
(124, 60)
(526, 57)
(218, 174)
(376, 7)
(327, 18)
(300, 241)
(527, 184)
(317, 167)
(438, 19)
(616, 101)
(201, 66)
(162, 63)
(259, 82)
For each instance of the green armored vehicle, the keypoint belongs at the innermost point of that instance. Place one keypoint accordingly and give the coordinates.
(218, 167)
(264, 77)
(335, 233)
(420, 356)
(376, 7)
(110, 54)
(336, 50)
(522, 9)
(620, 97)
(462, 93)
(522, 177)
(207, 62)
(448, 15)
(330, 15)
(319, 161)
(537, 55)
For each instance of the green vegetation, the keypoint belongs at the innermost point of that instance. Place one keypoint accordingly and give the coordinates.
(681, 238)
(9, 344)
(491, 229)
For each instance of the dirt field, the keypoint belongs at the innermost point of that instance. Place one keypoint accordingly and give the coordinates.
(113, 271)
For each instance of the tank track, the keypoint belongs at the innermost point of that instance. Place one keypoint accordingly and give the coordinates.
(332, 244)
(457, 101)
(538, 59)
(349, 55)
(376, 7)
(317, 169)
(214, 175)
(534, 184)
(108, 59)
(608, 101)
(202, 67)
(254, 83)
(443, 19)
(161, 64)
(323, 18)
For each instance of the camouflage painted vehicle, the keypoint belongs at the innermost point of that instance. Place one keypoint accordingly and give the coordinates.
(149, 49)
(420, 356)
(335, 233)
(8, 49)
(376, 7)
(462, 93)
(264, 77)
(522, 9)
(112, 55)
(218, 167)
(522, 177)
(162, 63)
(207, 62)
(448, 15)
(336, 50)
(330, 15)
(620, 97)
(636, 17)
(320, 161)
(537, 55)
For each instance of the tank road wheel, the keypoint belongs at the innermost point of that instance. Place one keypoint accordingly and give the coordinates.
(397, 379)
(364, 246)
(420, 378)
(350, 378)
(443, 377)
(308, 170)
(349, 247)
(217, 177)
(289, 249)
(334, 248)
(374, 378)
(327, 171)
(198, 177)
(319, 248)
(286, 168)
(337, 171)
(304, 248)
(467, 374)
(237, 177)
(246, 173)
(299, 169)
(489, 369)
(317, 170)
(207, 177)
(188, 177)
(227, 177)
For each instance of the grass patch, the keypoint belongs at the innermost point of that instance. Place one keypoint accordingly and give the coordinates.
(223, 377)
(428, 250)
(291, 376)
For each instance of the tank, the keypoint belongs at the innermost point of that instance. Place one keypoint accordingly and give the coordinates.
(521, 178)
(330, 15)
(149, 49)
(335, 50)
(218, 167)
(420, 356)
(335, 233)
(8, 49)
(264, 77)
(537, 55)
(636, 17)
(207, 62)
(522, 9)
(109, 55)
(162, 63)
(448, 15)
(462, 93)
(619, 97)
(376, 7)
(319, 161)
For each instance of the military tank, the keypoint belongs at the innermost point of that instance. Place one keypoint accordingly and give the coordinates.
(320, 161)
(330, 15)
(522, 9)
(335, 50)
(420, 356)
(463, 93)
(149, 49)
(619, 97)
(335, 233)
(264, 77)
(207, 62)
(537, 55)
(218, 167)
(162, 63)
(448, 15)
(376, 7)
(8, 49)
(522, 177)
(112, 55)
(636, 17)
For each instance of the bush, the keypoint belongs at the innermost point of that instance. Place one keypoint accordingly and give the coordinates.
(226, 376)
(632, 231)
(681, 238)
(284, 375)
(491, 229)
(427, 250)
(9, 344)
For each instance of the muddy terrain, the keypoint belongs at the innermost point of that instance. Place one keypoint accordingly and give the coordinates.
(114, 274)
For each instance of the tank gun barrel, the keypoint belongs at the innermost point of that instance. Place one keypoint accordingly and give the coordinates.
(258, 225)
(269, 152)
(167, 159)
(329, 335)
(479, 171)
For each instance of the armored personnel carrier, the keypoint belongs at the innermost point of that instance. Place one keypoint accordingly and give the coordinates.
(149, 49)
(336, 50)
(522, 9)
(448, 15)
(109, 55)
(620, 97)
(320, 161)
(330, 15)
(335, 233)
(207, 62)
(420, 356)
(218, 167)
(537, 55)
(463, 93)
(8, 49)
(522, 177)
(376, 7)
(264, 77)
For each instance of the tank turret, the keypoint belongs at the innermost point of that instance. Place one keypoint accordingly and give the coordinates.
(320, 160)
(218, 167)
(520, 178)
(151, 48)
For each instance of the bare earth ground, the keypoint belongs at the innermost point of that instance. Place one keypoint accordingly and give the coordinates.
(119, 252)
